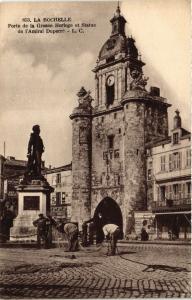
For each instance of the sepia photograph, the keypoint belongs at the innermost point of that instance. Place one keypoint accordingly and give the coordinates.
(95, 149)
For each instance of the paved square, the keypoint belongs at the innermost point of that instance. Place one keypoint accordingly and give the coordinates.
(137, 272)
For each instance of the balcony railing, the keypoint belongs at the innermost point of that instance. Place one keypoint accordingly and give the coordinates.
(176, 203)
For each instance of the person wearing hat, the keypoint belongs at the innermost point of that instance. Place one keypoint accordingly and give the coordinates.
(35, 150)
(41, 224)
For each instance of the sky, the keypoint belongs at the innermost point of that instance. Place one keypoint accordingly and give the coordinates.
(42, 73)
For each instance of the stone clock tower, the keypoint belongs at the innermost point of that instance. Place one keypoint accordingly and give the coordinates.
(125, 118)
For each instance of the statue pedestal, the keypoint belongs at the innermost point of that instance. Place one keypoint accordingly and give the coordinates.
(34, 198)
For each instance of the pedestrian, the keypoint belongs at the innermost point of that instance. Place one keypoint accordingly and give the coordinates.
(98, 223)
(71, 231)
(91, 229)
(41, 225)
(6, 223)
(50, 222)
(144, 233)
(111, 233)
(84, 234)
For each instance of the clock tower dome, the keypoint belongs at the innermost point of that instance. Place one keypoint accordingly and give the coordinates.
(117, 65)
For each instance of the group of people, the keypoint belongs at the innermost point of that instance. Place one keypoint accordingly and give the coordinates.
(110, 232)
(44, 232)
(103, 229)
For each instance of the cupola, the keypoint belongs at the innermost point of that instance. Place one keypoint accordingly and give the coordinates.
(118, 23)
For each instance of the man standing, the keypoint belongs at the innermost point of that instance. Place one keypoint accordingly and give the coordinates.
(35, 150)
(71, 231)
(112, 233)
(41, 225)
(144, 233)
(50, 222)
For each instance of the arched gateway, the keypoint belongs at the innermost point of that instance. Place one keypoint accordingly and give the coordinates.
(110, 212)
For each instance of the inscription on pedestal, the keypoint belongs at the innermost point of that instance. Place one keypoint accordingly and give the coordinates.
(31, 203)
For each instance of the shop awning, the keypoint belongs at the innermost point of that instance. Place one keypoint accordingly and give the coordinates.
(172, 213)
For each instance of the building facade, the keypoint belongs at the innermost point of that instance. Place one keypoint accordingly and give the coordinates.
(11, 170)
(110, 140)
(169, 183)
(61, 180)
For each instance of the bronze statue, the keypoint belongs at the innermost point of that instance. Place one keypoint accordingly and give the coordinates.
(35, 150)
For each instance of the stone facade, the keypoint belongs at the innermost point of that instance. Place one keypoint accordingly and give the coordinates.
(60, 179)
(169, 183)
(111, 162)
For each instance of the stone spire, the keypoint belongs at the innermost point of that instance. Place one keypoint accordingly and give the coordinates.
(118, 11)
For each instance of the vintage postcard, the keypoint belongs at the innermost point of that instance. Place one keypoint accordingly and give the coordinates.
(95, 149)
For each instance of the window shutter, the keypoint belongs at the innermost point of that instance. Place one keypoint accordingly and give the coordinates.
(165, 167)
(183, 190)
(170, 191)
(179, 191)
(166, 192)
(158, 193)
(170, 162)
(161, 162)
(179, 160)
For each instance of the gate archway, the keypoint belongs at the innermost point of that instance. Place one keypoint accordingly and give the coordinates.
(110, 212)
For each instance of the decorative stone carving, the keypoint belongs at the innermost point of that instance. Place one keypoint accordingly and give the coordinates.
(84, 98)
(139, 81)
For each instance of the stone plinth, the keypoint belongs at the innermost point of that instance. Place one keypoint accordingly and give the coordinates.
(34, 198)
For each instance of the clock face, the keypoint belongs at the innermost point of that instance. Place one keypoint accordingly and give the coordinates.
(110, 80)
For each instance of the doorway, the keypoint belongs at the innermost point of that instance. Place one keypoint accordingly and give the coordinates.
(110, 212)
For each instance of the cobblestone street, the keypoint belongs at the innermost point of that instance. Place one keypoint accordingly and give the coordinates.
(138, 271)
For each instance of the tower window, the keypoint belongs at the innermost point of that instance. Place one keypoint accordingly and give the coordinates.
(116, 153)
(149, 174)
(115, 115)
(110, 94)
(110, 90)
(111, 141)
